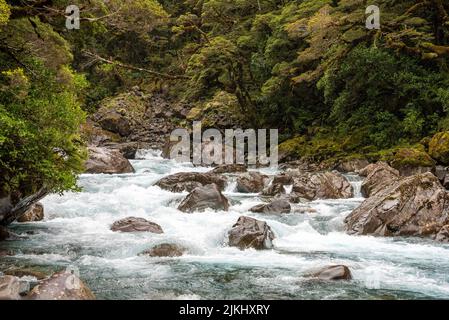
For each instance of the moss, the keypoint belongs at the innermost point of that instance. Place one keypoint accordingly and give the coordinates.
(411, 157)
(439, 147)
(293, 147)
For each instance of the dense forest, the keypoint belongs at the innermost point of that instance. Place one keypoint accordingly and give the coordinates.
(310, 68)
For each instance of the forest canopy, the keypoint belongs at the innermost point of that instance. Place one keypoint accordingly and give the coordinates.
(307, 67)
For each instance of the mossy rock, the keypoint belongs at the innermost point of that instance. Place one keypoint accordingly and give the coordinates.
(411, 157)
(292, 148)
(439, 147)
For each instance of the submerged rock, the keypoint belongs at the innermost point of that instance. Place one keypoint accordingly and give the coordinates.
(202, 198)
(133, 224)
(61, 286)
(251, 233)
(165, 250)
(321, 185)
(251, 182)
(414, 206)
(338, 272)
(276, 206)
(187, 181)
(9, 288)
(103, 160)
(35, 213)
(378, 176)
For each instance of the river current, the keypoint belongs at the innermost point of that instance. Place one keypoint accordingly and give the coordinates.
(76, 234)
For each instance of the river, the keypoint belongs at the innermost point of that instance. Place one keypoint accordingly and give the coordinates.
(76, 234)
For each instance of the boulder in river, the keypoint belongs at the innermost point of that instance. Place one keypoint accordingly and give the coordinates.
(165, 250)
(251, 182)
(61, 286)
(187, 181)
(9, 288)
(251, 233)
(202, 198)
(133, 224)
(229, 168)
(274, 189)
(275, 206)
(321, 185)
(378, 176)
(35, 213)
(413, 206)
(109, 161)
(338, 272)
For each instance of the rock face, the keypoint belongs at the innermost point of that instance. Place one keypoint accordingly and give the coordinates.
(165, 250)
(202, 198)
(443, 235)
(378, 177)
(251, 233)
(276, 206)
(9, 288)
(339, 272)
(413, 206)
(61, 286)
(133, 224)
(353, 165)
(187, 181)
(321, 185)
(229, 168)
(251, 182)
(442, 174)
(439, 147)
(35, 213)
(103, 160)
(409, 161)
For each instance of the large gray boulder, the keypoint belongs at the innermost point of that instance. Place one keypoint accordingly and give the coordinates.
(187, 181)
(202, 198)
(251, 233)
(251, 182)
(276, 206)
(378, 176)
(321, 185)
(133, 224)
(61, 286)
(413, 206)
(109, 161)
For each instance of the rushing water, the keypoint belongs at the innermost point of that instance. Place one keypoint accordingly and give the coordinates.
(76, 234)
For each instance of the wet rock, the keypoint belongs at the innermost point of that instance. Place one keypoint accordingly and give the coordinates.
(442, 174)
(5, 253)
(133, 224)
(378, 177)
(9, 288)
(187, 181)
(15, 204)
(22, 272)
(205, 197)
(61, 286)
(4, 233)
(276, 206)
(103, 160)
(229, 168)
(338, 272)
(251, 233)
(352, 165)
(165, 250)
(251, 182)
(274, 189)
(321, 185)
(35, 213)
(439, 147)
(443, 234)
(414, 206)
